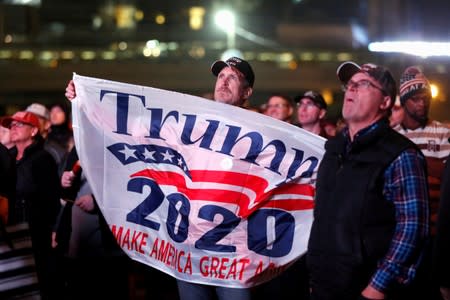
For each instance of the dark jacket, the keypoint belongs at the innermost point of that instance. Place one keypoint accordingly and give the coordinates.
(37, 191)
(7, 174)
(441, 257)
(353, 222)
(37, 203)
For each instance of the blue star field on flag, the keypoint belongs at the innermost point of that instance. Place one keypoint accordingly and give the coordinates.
(152, 154)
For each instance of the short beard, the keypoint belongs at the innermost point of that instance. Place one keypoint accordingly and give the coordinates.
(421, 120)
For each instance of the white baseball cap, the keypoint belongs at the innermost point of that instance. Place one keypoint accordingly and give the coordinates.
(39, 110)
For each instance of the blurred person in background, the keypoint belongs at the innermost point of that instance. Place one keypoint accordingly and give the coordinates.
(432, 137)
(7, 183)
(61, 128)
(5, 136)
(311, 110)
(329, 127)
(429, 135)
(58, 152)
(7, 178)
(295, 279)
(96, 266)
(280, 107)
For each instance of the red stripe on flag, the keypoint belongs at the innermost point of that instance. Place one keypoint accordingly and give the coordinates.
(245, 204)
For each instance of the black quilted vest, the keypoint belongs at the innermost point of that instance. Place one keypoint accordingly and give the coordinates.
(352, 219)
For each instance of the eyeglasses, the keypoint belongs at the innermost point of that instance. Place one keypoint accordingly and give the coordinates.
(307, 104)
(362, 84)
(18, 124)
(278, 105)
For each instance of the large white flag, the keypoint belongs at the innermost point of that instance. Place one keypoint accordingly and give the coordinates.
(204, 191)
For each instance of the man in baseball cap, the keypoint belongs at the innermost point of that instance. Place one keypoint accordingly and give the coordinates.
(43, 115)
(234, 85)
(235, 79)
(369, 175)
(23, 117)
(311, 109)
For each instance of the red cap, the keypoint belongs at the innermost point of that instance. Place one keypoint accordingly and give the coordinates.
(21, 116)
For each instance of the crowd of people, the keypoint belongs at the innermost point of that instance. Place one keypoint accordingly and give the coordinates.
(381, 215)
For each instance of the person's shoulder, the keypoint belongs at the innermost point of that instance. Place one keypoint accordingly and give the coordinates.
(395, 141)
(56, 150)
(42, 156)
(438, 126)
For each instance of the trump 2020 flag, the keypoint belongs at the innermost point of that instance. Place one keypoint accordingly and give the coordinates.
(203, 191)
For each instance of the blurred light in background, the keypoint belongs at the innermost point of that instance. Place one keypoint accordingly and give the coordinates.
(418, 48)
(327, 96)
(23, 2)
(196, 14)
(434, 90)
(8, 39)
(160, 19)
(226, 21)
(231, 53)
(124, 15)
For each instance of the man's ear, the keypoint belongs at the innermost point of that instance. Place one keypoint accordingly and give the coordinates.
(248, 92)
(322, 113)
(34, 131)
(386, 104)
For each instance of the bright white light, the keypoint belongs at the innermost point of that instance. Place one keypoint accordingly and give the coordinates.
(225, 20)
(422, 49)
(226, 163)
(152, 44)
(359, 34)
(24, 2)
(434, 90)
(230, 53)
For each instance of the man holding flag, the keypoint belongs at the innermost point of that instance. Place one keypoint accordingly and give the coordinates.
(221, 205)
(234, 85)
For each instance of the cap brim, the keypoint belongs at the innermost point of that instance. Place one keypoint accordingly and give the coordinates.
(346, 70)
(217, 66)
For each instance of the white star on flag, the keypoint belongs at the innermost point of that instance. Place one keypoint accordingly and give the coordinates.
(149, 154)
(167, 156)
(128, 152)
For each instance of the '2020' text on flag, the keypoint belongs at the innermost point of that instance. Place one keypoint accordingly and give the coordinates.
(204, 191)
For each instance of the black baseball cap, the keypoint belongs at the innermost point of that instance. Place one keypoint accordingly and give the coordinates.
(238, 63)
(314, 97)
(382, 75)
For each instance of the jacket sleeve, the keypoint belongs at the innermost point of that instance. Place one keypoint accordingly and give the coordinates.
(441, 257)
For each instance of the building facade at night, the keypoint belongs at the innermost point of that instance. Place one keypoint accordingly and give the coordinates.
(294, 45)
